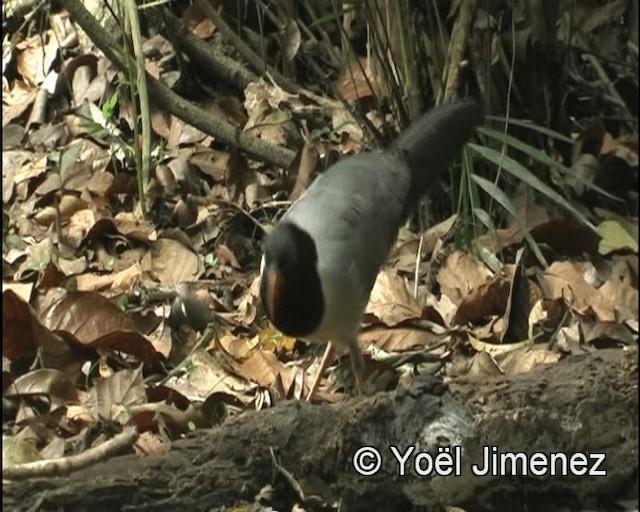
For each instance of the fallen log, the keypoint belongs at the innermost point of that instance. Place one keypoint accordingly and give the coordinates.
(295, 453)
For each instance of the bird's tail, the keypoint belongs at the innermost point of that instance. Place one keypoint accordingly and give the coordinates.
(434, 139)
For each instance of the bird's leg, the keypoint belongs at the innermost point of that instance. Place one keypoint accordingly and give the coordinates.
(357, 364)
(328, 355)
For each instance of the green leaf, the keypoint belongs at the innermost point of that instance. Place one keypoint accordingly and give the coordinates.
(332, 16)
(496, 192)
(523, 174)
(504, 201)
(525, 123)
(109, 106)
(211, 260)
(484, 217)
(543, 158)
(614, 238)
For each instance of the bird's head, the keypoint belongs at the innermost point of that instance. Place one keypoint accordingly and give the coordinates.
(290, 285)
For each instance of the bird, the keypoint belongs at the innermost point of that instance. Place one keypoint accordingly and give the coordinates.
(321, 259)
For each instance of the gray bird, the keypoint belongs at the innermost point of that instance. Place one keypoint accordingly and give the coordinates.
(321, 260)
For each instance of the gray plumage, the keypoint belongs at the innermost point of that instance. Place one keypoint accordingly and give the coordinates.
(351, 215)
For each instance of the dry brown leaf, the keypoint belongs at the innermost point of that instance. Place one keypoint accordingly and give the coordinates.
(623, 297)
(529, 213)
(150, 445)
(79, 416)
(497, 241)
(623, 147)
(31, 169)
(585, 169)
(306, 168)
(398, 339)
(544, 316)
(488, 299)
(128, 342)
(131, 225)
(48, 382)
(237, 347)
(80, 222)
(161, 341)
(79, 72)
(249, 304)
(12, 161)
(589, 16)
(23, 333)
(254, 192)
(212, 373)
(462, 273)
(36, 56)
(352, 84)
(570, 281)
(568, 237)
(173, 263)
(236, 178)
(518, 307)
(122, 280)
(290, 40)
(22, 290)
(570, 338)
(55, 449)
(483, 364)
(17, 100)
(90, 320)
(86, 315)
(227, 256)
(267, 120)
(264, 368)
(607, 332)
(524, 361)
(109, 398)
(161, 122)
(495, 349)
(403, 256)
(53, 276)
(390, 301)
(201, 26)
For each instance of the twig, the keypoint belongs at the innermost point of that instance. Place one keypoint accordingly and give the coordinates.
(207, 56)
(606, 81)
(178, 106)
(255, 61)
(66, 465)
(417, 271)
(140, 99)
(457, 47)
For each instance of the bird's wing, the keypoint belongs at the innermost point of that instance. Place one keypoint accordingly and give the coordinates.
(353, 212)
